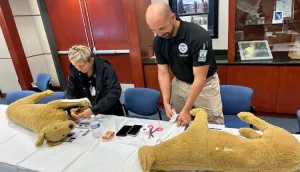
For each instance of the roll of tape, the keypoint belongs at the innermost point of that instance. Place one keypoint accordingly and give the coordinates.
(145, 130)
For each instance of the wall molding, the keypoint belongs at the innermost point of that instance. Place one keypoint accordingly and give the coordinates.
(29, 15)
(38, 55)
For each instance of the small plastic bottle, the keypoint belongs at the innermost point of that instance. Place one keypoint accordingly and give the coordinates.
(95, 127)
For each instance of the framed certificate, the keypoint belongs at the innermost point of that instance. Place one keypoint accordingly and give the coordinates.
(285, 6)
(255, 50)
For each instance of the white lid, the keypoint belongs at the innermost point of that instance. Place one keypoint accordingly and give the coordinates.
(93, 116)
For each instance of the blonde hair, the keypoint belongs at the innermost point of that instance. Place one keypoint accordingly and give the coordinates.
(79, 53)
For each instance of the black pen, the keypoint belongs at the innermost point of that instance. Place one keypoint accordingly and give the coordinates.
(215, 128)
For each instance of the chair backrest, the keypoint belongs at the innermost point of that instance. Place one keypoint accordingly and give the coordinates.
(16, 95)
(236, 99)
(42, 81)
(298, 117)
(56, 96)
(142, 101)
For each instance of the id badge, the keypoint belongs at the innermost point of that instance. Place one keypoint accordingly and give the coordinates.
(92, 90)
(202, 56)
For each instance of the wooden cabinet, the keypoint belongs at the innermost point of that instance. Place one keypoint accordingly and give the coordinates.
(66, 23)
(222, 72)
(262, 79)
(114, 25)
(151, 79)
(288, 94)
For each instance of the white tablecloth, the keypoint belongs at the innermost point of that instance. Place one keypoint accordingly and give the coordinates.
(18, 151)
(19, 154)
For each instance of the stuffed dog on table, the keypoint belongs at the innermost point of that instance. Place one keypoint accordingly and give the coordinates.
(200, 148)
(49, 121)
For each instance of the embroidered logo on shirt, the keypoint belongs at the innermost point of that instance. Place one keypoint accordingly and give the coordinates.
(183, 48)
(202, 56)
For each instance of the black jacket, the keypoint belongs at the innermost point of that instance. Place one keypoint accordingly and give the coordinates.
(108, 89)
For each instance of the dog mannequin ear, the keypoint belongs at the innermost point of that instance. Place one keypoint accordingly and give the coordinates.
(50, 143)
(40, 139)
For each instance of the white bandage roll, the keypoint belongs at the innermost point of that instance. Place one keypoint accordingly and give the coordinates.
(145, 130)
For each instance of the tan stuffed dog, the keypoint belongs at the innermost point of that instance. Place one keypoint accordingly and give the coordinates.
(49, 120)
(200, 148)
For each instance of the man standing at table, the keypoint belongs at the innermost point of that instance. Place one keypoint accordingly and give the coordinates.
(187, 49)
(94, 78)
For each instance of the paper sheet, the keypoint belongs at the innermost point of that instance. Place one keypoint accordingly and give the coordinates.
(77, 100)
(285, 6)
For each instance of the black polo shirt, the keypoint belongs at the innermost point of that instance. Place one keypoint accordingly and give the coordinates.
(191, 47)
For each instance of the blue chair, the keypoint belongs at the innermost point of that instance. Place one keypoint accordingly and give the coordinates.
(16, 95)
(236, 99)
(43, 81)
(298, 117)
(141, 101)
(56, 96)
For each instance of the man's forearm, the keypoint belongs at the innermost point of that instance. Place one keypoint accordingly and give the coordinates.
(197, 87)
(165, 87)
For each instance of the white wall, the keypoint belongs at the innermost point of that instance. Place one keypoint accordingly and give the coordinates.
(8, 77)
(33, 37)
(222, 42)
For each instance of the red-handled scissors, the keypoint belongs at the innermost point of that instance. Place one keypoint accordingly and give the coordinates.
(152, 130)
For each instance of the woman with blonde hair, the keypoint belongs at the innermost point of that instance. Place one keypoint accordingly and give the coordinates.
(94, 78)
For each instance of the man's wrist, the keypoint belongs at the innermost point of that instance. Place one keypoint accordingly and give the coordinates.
(186, 110)
(166, 102)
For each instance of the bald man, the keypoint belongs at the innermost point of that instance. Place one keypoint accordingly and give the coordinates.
(187, 49)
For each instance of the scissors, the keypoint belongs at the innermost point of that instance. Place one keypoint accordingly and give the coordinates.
(152, 130)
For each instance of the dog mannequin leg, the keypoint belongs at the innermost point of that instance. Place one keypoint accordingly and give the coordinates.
(32, 99)
(257, 122)
(249, 133)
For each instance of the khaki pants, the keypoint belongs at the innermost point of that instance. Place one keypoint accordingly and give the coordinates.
(209, 98)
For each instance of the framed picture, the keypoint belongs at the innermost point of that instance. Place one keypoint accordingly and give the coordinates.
(201, 12)
(188, 7)
(277, 17)
(255, 50)
(200, 20)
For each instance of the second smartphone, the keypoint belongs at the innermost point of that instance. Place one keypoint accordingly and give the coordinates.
(134, 130)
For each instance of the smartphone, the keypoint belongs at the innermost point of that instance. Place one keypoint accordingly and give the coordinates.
(134, 130)
(124, 130)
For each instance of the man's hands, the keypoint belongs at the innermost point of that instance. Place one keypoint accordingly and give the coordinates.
(184, 118)
(168, 110)
(85, 114)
